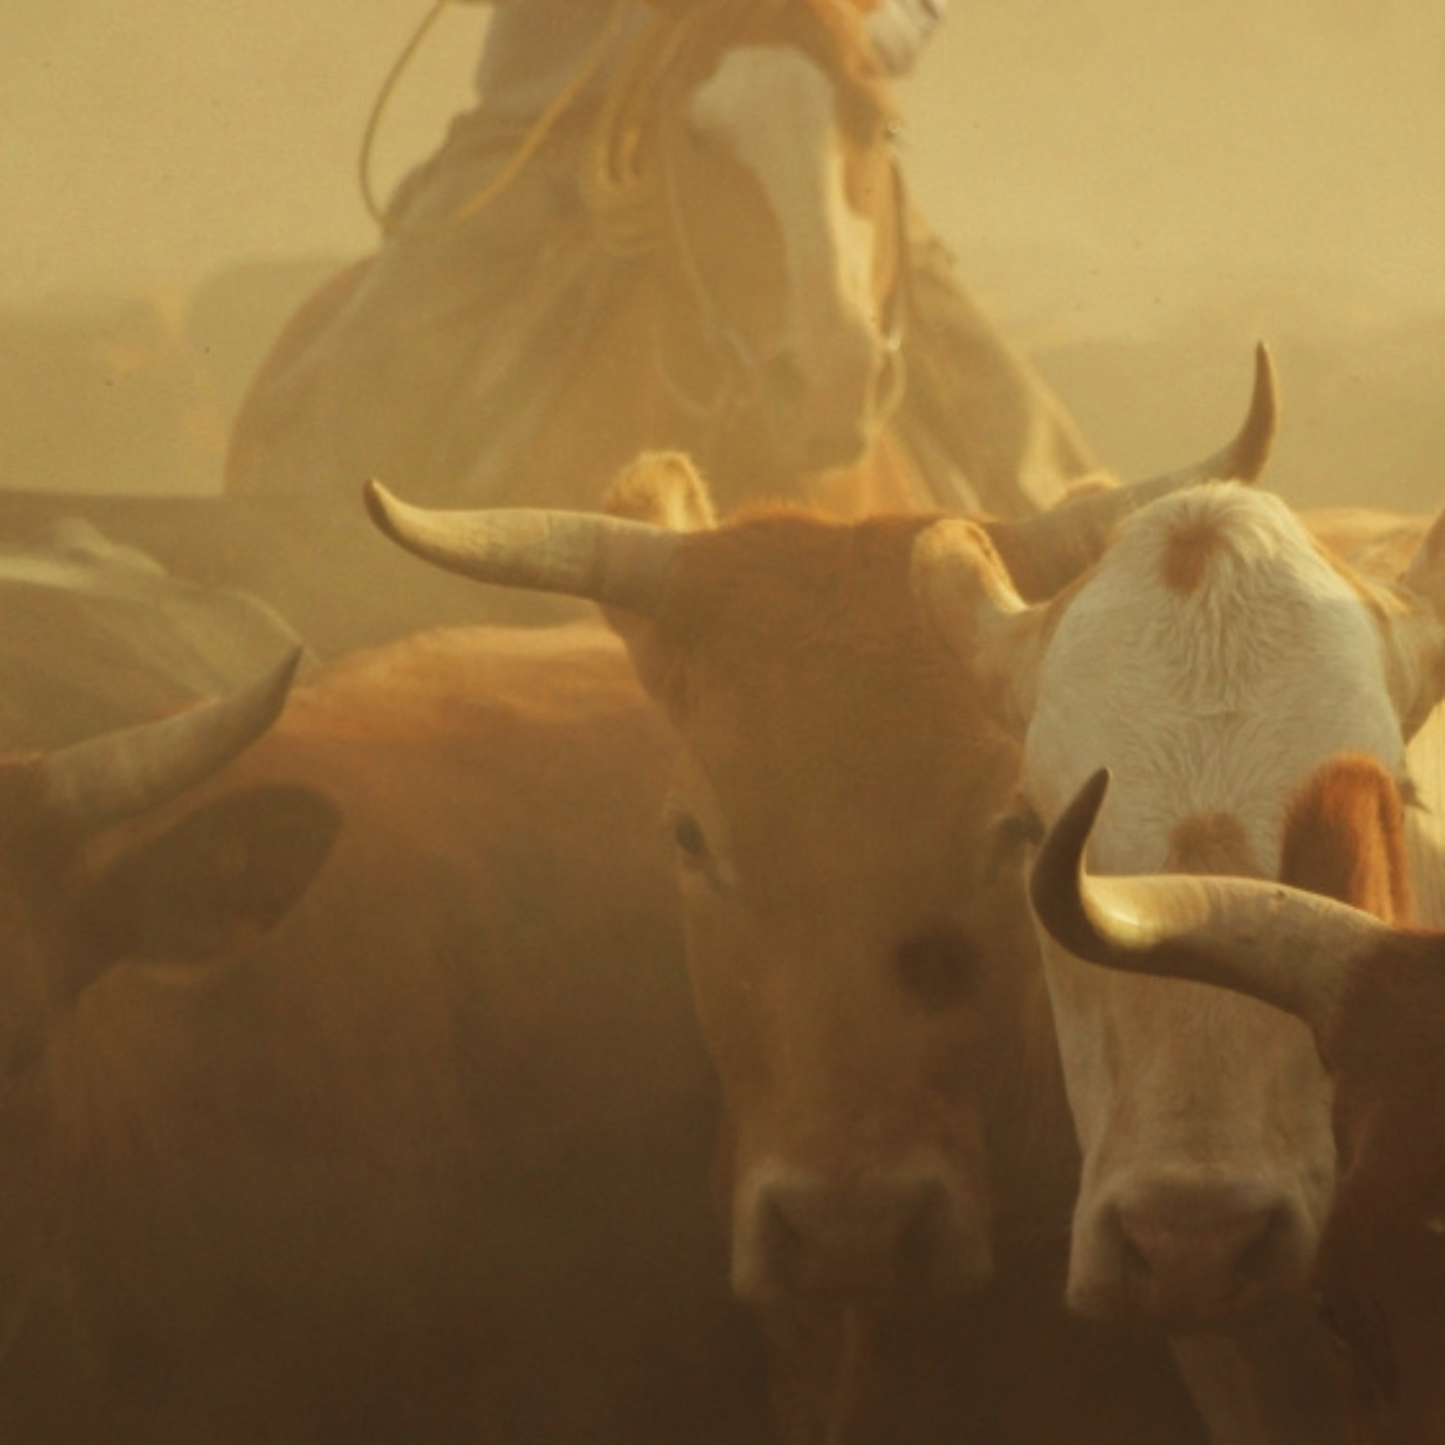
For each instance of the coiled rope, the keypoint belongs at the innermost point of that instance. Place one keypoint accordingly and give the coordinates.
(619, 173)
(516, 162)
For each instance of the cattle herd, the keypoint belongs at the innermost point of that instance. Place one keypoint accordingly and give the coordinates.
(918, 978)
(642, 1032)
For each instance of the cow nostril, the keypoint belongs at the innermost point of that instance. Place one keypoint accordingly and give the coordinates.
(1181, 1252)
(938, 967)
(1256, 1257)
(1136, 1262)
(812, 1237)
(922, 1228)
(782, 1237)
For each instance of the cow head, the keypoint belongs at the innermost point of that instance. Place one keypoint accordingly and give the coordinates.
(853, 994)
(1373, 993)
(1214, 659)
(81, 892)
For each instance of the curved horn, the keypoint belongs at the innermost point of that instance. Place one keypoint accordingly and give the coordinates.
(611, 560)
(90, 785)
(1044, 553)
(1290, 948)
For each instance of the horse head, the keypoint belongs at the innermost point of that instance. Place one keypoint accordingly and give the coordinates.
(747, 147)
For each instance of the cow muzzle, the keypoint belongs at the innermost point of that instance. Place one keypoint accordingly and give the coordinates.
(804, 1234)
(1192, 1258)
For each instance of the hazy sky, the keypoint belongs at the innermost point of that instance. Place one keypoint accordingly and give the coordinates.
(1137, 190)
(1186, 144)
(153, 140)
(1090, 158)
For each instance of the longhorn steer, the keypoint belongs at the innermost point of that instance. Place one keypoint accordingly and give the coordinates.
(354, 1093)
(892, 1138)
(1215, 659)
(1373, 992)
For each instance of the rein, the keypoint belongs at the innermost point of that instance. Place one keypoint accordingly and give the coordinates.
(626, 177)
(626, 181)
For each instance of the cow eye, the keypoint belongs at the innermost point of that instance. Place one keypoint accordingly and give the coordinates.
(937, 967)
(1329, 1319)
(1019, 829)
(689, 837)
(1013, 833)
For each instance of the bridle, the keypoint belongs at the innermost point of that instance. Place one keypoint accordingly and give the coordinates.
(631, 183)
(738, 364)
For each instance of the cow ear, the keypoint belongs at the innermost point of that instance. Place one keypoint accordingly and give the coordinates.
(1416, 632)
(665, 490)
(226, 873)
(965, 592)
(662, 488)
(1344, 838)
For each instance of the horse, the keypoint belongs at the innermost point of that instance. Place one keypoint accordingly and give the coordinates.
(703, 243)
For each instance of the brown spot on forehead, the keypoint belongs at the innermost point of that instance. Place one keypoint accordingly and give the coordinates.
(1212, 843)
(1191, 544)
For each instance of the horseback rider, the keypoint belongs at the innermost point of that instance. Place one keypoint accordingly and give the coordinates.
(438, 357)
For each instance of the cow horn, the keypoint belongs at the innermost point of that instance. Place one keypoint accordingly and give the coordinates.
(612, 560)
(90, 785)
(1044, 553)
(1290, 948)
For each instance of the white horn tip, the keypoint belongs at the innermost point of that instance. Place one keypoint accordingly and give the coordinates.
(382, 506)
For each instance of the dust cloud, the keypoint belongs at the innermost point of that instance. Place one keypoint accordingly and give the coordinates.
(1136, 189)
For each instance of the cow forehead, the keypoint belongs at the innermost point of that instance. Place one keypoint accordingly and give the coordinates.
(1214, 660)
(812, 698)
(882, 723)
(808, 782)
(816, 783)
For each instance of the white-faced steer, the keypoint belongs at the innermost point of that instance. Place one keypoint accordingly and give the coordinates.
(1215, 659)
(1373, 992)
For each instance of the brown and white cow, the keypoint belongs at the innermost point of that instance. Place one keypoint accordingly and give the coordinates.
(1214, 659)
(862, 957)
(1334, 953)
(350, 1088)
